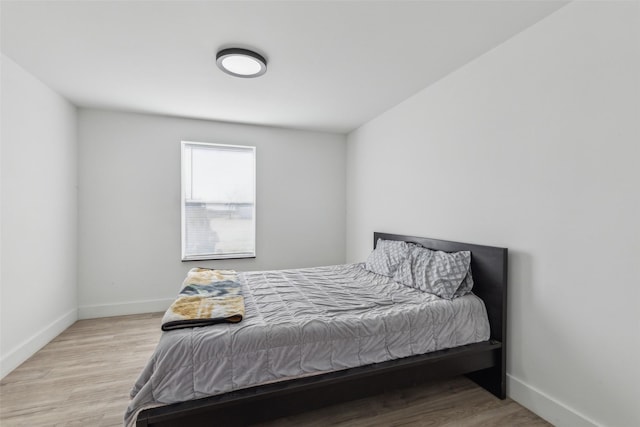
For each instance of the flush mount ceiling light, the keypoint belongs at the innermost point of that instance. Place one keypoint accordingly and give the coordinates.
(241, 62)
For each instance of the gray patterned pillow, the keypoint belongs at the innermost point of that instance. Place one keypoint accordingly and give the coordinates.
(386, 257)
(466, 285)
(436, 272)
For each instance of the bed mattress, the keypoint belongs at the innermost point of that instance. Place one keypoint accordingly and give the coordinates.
(303, 322)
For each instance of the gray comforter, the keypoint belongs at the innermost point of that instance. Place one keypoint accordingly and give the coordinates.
(304, 322)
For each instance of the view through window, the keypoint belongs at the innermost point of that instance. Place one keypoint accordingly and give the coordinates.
(218, 201)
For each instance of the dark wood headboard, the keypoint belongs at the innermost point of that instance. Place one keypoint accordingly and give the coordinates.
(489, 267)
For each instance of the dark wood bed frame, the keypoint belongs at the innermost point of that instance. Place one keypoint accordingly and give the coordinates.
(483, 362)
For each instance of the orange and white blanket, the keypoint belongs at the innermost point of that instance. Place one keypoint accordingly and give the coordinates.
(207, 297)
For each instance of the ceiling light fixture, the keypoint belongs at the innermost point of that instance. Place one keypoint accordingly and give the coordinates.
(241, 62)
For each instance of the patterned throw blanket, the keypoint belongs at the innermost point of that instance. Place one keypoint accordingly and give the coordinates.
(207, 297)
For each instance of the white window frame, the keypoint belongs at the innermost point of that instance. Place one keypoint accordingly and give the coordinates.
(183, 179)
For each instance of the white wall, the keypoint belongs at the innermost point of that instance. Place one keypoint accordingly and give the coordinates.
(533, 146)
(129, 205)
(39, 215)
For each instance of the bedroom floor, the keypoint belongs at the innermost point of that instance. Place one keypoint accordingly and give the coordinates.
(83, 378)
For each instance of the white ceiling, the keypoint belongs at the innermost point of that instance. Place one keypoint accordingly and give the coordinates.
(332, 65)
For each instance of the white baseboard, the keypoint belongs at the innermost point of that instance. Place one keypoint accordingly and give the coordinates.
(27, 348)
(545, 406)
(124, 308)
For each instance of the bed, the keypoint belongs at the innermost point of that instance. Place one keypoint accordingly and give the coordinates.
(328, 383)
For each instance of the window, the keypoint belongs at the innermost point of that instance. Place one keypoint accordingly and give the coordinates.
(218, 201)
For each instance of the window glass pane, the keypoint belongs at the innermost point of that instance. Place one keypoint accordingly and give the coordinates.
(218, 206)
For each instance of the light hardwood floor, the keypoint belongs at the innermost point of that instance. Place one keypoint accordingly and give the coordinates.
(83, 378)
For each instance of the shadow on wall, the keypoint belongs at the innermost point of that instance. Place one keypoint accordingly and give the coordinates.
(519, 295)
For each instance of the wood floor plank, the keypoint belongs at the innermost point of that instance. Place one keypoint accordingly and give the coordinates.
(83, 378)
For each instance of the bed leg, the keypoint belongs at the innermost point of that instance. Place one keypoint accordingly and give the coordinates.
(493, 379)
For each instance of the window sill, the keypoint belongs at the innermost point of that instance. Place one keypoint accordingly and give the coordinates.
(217, 257)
